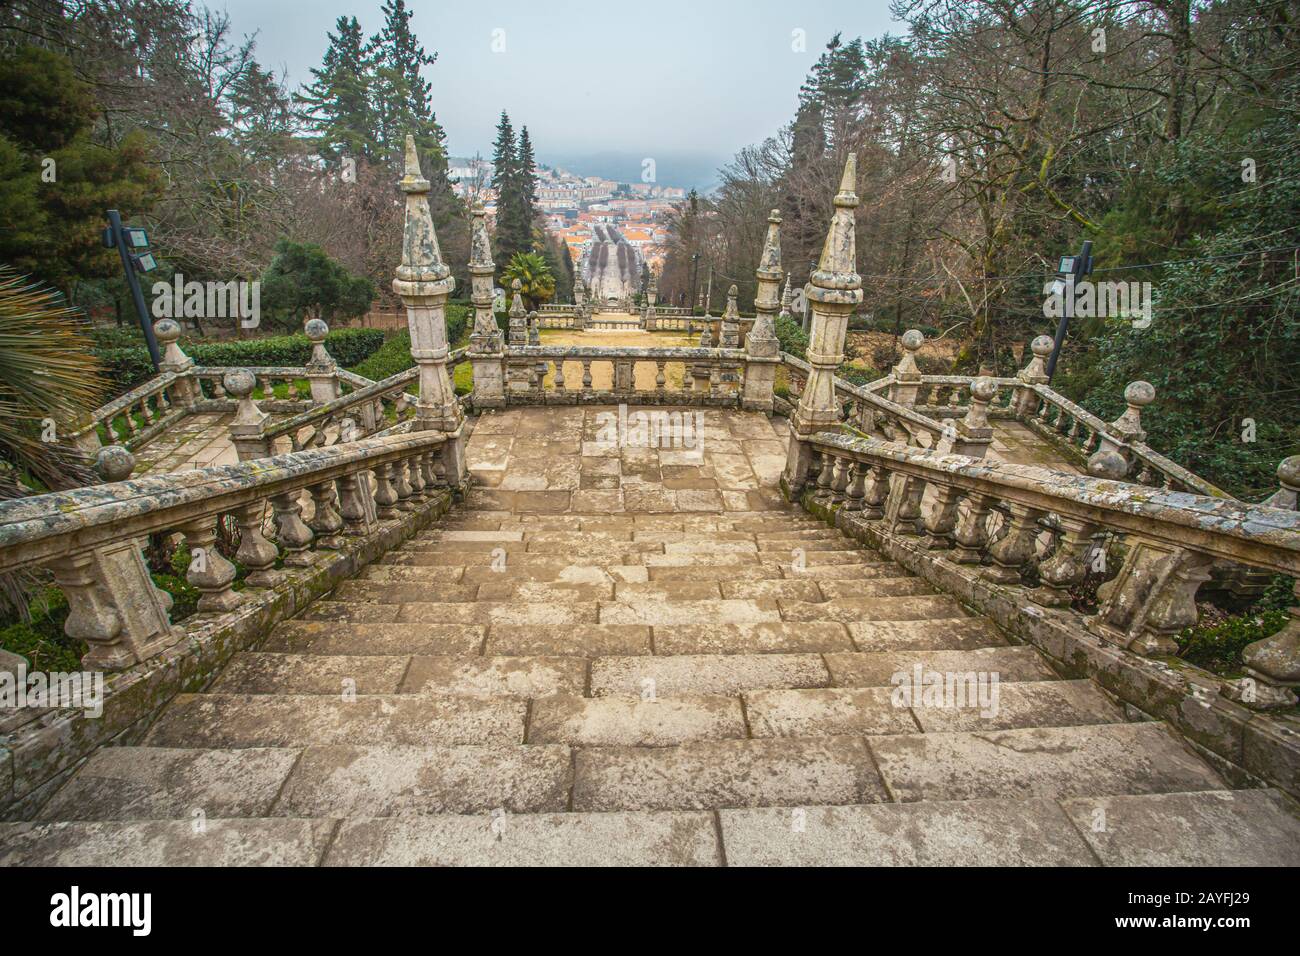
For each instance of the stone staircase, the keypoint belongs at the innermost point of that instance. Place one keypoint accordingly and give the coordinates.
(645, 689)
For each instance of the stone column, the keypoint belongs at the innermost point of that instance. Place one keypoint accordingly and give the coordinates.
(322, 371)
(1035, 373)
(247, 429)
(486, 353)
(579, 302)
(424, 282)
(729, 336)
(185, 391)
(836, 290)
(652, 297)
(761, 346)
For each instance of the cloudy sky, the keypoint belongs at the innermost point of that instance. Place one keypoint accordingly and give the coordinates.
(683, 81)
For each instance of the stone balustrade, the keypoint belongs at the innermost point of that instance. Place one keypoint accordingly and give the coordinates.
(135, 417)
(90, 538)
(1043, 531)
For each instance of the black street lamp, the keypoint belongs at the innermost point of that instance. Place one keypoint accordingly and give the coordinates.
(133, 246)
(1068, 271)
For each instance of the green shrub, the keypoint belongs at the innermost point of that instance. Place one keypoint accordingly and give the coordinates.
(791, 336)
(128, 367)
(41, 640)
(1217, 647)
(857, 374)
(393, 357)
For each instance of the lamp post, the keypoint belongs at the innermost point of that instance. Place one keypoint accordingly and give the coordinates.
(132, 245)
(695, 275)
(1068, 271)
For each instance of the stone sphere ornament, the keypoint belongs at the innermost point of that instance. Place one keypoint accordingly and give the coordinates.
(1042, 346)
(1108, 463)
(913, 339)
(983, 389)
(114, 463)
(1288, 472)
(1140, 394)
(239, 382)
(167, 331)
(316, 330)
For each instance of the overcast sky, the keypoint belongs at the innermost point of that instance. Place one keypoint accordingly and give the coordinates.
(674, 77)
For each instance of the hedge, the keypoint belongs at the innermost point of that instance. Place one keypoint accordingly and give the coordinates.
(128, 367)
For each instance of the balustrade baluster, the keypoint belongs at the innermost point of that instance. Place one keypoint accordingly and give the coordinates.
(1067, 565)
(218, 390)
(385, 496)
(877, 493)
(970, 536)
(291, 532)
(586, 375)
(857, 489)
(326, 522)
(145, 411)
(209, 571)
(840, 478)
(402, 485)
(559, 375)
(942, 519)
(255, 552)
(903, 512)
(1016, 548)
(352, 507)
(416, 479)
(660, 378)
(826, 465)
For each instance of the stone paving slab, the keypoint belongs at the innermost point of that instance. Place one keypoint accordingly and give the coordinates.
(165, 843)
(726, 773)
(659, 613)
(584, 640)
(826, 712)
(538, 839)
(1043, 761)
(886, 608)
(633, 721)
(878, 668)
(298, 720)
(1055, 703)
(271, 673)
(705, 673)
(526, 677)
(968, 833)
(330, 638)
(388, 780)
(1209, 828)
(759, 638)
(139, 783)
(949, 631)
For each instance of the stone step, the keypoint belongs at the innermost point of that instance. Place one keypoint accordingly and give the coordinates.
(884, 608)
(954, 632)
(324, 637)
(166, 843)
(707, 775)
(699, 613)
(527, 677)
(147, 783)
(534, 839)
(836, 572)
(389, 780)
(634, 721)
(886, 710)
(1097, 760)
(1205, 828)
(877, 668)
(568, 640)
(761, 638)
(1034, 832)
(876, 587)
(299, 720)
(724, 674)
(252, 672)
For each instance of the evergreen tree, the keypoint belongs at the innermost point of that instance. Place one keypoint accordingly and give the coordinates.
(514, 227)
(527, 166)
(337, 105)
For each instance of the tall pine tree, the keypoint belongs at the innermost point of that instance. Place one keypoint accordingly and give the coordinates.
(336, 106)
(514, 229)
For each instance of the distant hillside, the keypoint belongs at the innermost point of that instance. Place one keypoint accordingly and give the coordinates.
(687, 170)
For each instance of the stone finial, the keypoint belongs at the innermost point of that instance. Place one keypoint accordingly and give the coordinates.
(316, 331)
(835, 279)
(114, 463)
(907, 369)
(168, 333)
(239, 383)
(1137, 396)
(769, 263)
(517, 302)
(732, 311)
(1287, 497)
(982, 392)
(1036, 371)
(480, 245)
(518, 315)
(1108, 463)
(421, 256)
(787, 298)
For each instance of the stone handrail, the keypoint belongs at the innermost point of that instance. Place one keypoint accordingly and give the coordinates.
(363, 405)
(992, 513)
(149, 399)
(911, 422)
(710, 375)
(267, 377)
(90, 538)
